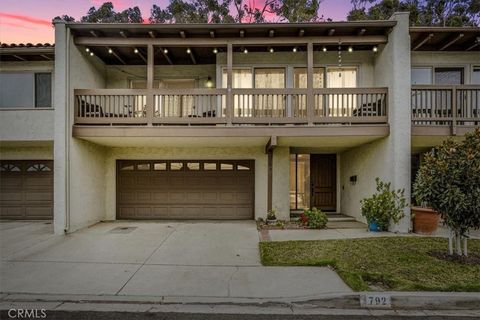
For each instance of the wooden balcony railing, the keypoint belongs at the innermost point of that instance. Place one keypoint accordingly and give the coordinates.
(446, 106)
(240, 106)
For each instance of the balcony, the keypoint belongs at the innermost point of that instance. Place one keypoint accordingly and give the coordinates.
(221, 107)
(445, 110)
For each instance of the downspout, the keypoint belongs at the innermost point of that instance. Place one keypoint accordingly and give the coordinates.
(67, 132)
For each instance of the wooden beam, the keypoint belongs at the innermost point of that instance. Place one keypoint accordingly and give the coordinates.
(212, 34)
(141, 55)
(301, 32)
(183, 35)
(331, 32)
(242, 33)
(19, 58)
(208, 42)
(229, 108)
(192, 56)
(46, 57)
(422, 42)
(116, 55)
(123, 33)
(361, 32)
(310, 96)
(448, 44)
(152, 34)
(150, 76)
(271, 144)
(477, 42)
(165, 55)
(94, 33)
(271, 33)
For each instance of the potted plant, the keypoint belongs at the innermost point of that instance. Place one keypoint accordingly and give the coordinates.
(383, 207)
(448, 181)
(271, 217)
(314, 218)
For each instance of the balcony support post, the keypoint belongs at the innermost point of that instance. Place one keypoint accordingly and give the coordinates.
(454, 110)
(310, 97)
(150, 74)
(229, 99)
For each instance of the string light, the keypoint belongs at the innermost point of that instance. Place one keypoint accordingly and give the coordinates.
(135, 50)
(87, 49)
(294, 49)
(110, 51)
(189, 51)
(165, 50)
(245, 50)
(340, 58)
(324, 49)
(375, 49)
(350, 49)
(271, 50)
(215, 51)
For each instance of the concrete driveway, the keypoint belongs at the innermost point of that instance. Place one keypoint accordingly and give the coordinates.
(156, 259)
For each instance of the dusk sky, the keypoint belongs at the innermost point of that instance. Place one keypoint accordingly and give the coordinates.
(23, 21)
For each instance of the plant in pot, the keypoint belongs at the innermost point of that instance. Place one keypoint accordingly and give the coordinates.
(448, 181)
(384, 206)
(271, 217)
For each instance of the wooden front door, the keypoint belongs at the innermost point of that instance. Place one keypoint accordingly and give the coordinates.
(323, 179)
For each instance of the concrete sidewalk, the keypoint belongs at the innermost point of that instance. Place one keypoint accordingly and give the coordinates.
(157, 259)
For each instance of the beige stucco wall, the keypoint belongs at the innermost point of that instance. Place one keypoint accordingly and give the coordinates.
(255, 153)
(466, 60)
(281, 182)
(79, 192)
(26, 152)
(118, 77)
(388, 158)
(27, 124)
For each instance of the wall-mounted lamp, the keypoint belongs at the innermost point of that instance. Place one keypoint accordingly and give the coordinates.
(353, 180)
(209, 82)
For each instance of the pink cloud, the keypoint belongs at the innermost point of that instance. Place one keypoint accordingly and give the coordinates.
(26, 19)
(16, 25)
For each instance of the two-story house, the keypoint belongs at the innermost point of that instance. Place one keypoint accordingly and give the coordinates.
(226, 121)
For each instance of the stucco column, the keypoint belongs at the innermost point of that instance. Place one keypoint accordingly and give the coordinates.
(281, 182)
(392, 69)
(60, 154)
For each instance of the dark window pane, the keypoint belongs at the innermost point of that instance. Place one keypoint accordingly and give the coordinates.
(16, 90)
(449, 76)
(43, 90)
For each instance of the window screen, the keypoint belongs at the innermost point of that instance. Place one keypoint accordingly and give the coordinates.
(476, 75)
(43, 90)
(448, 76)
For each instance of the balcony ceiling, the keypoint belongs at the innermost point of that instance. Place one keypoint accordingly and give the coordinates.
(112, 40)
(445, 39)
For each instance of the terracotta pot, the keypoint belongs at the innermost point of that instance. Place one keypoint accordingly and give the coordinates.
(425, 220)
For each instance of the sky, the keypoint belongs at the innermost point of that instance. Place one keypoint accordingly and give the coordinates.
(24, 21)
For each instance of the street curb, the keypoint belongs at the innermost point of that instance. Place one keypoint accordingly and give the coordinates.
(398, 300)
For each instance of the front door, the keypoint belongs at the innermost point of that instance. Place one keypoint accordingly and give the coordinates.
(323, 179)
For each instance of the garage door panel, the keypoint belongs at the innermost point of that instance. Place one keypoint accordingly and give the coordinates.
(26, 189)
(185, 194)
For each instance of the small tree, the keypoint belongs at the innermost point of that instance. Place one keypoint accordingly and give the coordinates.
(448, 181)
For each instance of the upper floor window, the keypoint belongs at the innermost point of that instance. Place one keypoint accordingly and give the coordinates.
(476, 75)
(448, 76)
(300, 78)
(25, 90)
(342, 77)
(421, 76)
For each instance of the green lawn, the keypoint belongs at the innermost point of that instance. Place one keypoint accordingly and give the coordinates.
(392, 263)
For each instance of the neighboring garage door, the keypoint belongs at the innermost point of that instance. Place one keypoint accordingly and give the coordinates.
(26, 189)
(185, 189)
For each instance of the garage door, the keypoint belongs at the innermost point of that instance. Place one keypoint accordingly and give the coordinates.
(185, 189)
(26, 189)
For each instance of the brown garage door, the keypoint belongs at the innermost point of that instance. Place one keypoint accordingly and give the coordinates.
(185, 189)
(26, 189)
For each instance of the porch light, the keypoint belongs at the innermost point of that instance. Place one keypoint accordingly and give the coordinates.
(375, 49)
(135, 50)
(189, 51)
(165, 50)
(245, 50)
(87, 49)
(215, 51)
(271, 50)
(324, 49)
(294, 49)
(350, 49)
(209, 82)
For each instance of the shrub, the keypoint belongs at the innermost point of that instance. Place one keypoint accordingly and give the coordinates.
(314, 218)
(384, 206)
(271, 214)
(448, 181)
